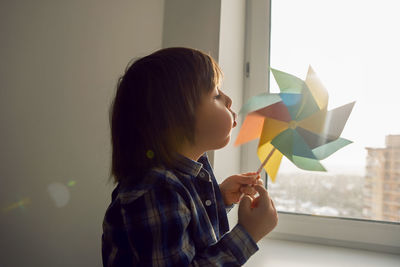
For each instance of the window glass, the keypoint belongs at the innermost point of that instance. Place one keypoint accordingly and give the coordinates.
(353, 47)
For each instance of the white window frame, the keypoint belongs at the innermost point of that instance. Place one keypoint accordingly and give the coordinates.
(344, 232)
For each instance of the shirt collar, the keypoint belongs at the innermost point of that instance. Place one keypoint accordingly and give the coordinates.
(188, 166)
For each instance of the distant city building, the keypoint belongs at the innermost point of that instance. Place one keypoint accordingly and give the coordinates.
(382, 181)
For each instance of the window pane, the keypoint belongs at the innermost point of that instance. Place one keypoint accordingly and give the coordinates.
(353, 46)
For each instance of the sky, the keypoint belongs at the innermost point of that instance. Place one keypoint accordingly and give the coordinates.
(353, 46)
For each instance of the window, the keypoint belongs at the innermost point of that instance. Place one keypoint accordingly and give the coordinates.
(350, 55)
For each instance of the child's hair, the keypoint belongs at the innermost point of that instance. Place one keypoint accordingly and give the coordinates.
(154, 110)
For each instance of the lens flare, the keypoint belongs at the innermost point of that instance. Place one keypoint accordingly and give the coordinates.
(71, 183)
(150, 154)
(19, 204)
(59, 194)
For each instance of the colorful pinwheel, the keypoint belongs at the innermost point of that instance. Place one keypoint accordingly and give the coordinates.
(294, 123)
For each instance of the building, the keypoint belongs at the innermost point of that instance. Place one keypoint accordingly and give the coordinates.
(382, 181)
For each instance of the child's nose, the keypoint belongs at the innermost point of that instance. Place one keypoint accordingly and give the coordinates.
(228, 101)
(233, 114)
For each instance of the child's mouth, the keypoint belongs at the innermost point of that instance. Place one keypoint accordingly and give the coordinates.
(234, 115)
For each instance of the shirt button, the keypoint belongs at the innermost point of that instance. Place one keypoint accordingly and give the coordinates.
(208, 202)
(202, 174)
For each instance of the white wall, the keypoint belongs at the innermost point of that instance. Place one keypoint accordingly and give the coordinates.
(192, 23)
(60, 61)
(231, 60)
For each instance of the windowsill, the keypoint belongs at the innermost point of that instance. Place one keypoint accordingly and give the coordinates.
(274, 252)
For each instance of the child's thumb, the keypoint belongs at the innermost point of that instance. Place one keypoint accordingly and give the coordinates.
(245, 203)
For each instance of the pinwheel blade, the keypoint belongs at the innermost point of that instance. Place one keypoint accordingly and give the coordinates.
(318, 91)
(274, 161)
(336, 120)
(251, 128)
(330, 123)
(292, 145)
(292, 102)
(288, 83)
(259, 101)
(312, 139)
(308, 164)
(328, 149)
(271, 128)
(308, 105)
(277, 111)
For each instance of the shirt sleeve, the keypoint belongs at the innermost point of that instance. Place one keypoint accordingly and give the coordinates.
(159, 233)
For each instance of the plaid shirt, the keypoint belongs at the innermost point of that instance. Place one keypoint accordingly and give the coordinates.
(173, 219)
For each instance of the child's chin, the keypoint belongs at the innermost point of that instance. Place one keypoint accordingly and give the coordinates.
(225, 142)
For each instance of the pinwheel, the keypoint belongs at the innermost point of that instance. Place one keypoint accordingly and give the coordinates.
(294, 123)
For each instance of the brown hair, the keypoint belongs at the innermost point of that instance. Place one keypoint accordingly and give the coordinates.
(154, 109)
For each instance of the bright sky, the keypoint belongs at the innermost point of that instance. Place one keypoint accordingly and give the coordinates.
(353, 46)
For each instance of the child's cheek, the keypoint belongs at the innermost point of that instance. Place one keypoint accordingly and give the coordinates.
(226, 121)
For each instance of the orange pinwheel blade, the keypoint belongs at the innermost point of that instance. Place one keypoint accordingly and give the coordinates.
(251, 128)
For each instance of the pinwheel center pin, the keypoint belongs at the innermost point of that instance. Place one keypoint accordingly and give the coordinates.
(293, 124)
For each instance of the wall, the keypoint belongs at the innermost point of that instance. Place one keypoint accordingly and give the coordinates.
(60, 61)
(192, 23)
(231, 60)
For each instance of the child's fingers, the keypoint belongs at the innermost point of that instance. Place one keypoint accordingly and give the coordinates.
(255, 202)
(260, 182)
(246, 179)
(245, 203)
(250, 173)
(263, 195)
(273, 205)
(248, 190)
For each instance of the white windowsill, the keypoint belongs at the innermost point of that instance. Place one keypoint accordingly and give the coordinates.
(342, 232)
(275, 253)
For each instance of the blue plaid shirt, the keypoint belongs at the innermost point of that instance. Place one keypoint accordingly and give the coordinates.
(175, 218)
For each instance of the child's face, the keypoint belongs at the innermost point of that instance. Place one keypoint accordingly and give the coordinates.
(214, 121)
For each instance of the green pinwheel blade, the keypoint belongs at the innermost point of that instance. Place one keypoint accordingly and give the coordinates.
(328, 149)
(308, 164)
(284, 143)
(259, 101)
(292, 145)
(300, 147)
(288, 83)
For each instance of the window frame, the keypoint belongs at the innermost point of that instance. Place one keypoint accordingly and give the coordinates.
(345, 232)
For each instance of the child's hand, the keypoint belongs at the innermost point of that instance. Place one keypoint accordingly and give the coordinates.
(234, 186)
(258, 216)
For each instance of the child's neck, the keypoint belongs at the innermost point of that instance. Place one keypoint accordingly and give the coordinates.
(191, 151)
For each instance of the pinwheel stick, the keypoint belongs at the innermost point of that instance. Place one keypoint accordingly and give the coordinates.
(266, 160)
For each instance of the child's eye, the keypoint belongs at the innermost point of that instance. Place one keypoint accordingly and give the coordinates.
(217, 96)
